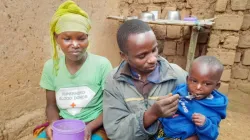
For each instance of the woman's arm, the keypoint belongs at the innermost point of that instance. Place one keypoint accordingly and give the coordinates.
(52, 111)
(95, 124)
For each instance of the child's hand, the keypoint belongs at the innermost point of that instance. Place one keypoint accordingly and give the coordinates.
(198, 119)
(49, 132)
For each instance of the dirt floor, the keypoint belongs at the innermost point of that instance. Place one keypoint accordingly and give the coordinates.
(235, 126)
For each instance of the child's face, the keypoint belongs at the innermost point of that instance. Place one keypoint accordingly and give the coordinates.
(142, 52)
(202, 80)
(73, 44)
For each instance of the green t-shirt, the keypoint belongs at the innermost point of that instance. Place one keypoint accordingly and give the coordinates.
(78, 96)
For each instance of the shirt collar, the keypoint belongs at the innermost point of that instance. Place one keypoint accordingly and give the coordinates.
(153, 77)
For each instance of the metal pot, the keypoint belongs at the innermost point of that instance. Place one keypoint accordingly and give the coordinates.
(174, 15)
(145, 16)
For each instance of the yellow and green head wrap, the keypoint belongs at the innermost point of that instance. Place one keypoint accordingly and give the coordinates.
(68, 17)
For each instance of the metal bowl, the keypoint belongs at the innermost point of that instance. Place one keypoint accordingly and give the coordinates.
(174, 15)
(146, 16)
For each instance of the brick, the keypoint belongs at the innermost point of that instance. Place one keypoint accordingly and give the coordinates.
(214, 41)
(226, 58)
(170, 58)
(246, 58)
(173, 32)
(180, 61)
(237, 57)
(240, 73)
(180, 48)
(203, 49)
(221, 5)
(231, 42)
(129, 1)
(160, 31)
(159, 1)
(248, 5)
(160, 46)
(228, 22)
(188, 5)
(239, 4)
(203, 37)
(246, 22)
(244, 41)
(143, 1)
(185, 13)
(181, 5)
(169, 48)
(133, 11)
(224, 88)
(186, 32)
(186, 48)
(164, 14)
(244, 87)
(226, 75)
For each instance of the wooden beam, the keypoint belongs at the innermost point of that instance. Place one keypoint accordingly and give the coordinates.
(205, 22)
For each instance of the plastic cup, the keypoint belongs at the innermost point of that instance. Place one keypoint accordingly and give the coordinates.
(68, 129)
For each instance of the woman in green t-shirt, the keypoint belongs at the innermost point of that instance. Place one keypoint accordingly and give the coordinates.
(74, 82)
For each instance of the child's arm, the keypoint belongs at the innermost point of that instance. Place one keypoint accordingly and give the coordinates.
(206, 128)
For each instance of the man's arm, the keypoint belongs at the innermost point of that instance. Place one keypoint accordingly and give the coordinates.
(121, 123)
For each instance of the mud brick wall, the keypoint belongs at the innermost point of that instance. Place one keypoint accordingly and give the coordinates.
(228, 39)
(174, 40)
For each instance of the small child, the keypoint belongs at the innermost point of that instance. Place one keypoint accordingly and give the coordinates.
(201, 107)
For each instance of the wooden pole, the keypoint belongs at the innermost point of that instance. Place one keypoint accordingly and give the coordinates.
(192, 47)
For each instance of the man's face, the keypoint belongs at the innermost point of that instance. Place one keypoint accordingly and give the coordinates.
(141, 52)
(202, 80)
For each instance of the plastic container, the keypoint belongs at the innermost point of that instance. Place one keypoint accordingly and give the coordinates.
(68, 129)
(174, 15)
(190, 19)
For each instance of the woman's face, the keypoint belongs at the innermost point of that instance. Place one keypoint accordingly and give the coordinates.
(73, 44)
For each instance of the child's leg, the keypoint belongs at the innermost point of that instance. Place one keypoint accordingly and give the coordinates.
(39, 132)
(100, 134)
(42, 136)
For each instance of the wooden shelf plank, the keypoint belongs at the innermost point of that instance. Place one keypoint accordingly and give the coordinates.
(205, 22)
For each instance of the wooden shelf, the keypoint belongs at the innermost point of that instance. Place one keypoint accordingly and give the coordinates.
(194, 36)
(205, 22)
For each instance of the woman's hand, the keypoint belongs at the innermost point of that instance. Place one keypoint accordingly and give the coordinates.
(87, 133)
(49, 132)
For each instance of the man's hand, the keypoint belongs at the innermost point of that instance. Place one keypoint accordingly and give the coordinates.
(49, 132)
(165, 106)
(194, 137)
(198, 119)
